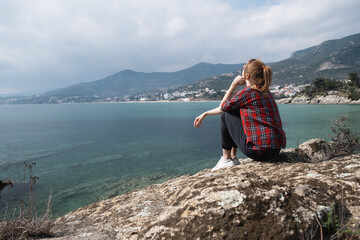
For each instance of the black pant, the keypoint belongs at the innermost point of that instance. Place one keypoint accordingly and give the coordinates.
(233, 135)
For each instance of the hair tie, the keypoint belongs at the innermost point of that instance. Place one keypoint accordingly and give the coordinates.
(263, 67)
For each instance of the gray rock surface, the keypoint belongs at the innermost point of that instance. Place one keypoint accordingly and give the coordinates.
(355, 102)
(318, 150)
(333, 98)
(4, 183)
(333, 92)
(254, 200)
(283, 100)
(301, 100)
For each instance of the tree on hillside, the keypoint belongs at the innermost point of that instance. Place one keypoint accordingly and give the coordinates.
(321, 86)
(324, 84)
(355, 80)
(353, 90)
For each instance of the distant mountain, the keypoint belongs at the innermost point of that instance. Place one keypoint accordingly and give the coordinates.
(129, 82)
(331, 59)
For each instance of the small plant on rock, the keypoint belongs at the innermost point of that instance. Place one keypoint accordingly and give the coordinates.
(332, 223)
(336, 225)
(345, 140)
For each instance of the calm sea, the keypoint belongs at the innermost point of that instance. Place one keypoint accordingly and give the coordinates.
(88, 152)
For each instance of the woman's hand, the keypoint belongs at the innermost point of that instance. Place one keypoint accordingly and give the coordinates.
(238, 81)
(198, 120)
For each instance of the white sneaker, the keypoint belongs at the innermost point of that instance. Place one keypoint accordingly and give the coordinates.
(223, 163)
(235, 160)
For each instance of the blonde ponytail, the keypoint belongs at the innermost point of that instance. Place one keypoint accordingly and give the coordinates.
(267, 79)
(260, 73)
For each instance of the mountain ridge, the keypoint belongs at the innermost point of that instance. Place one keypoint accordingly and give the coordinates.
(330, 59)
(128, 82)
(336, 43)
(333, 59)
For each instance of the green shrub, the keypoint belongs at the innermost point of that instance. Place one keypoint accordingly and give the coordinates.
(353, 94)
(336, 224)
(322, 86)
(355, 80)
(332, 223)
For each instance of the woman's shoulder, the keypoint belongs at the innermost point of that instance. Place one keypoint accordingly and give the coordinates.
(250, 90)
(256, 94)
(246, 89)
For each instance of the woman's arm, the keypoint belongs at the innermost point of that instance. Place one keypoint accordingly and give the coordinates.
(238, 81)
(198, 120)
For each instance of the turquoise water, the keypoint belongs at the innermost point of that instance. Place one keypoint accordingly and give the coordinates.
(89, 152)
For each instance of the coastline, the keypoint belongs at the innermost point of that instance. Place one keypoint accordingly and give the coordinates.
(290, 100)
(278, 101)
(333, 97)
(157, 101)
(321, 99)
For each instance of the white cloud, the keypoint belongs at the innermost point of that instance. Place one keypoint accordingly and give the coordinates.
(174, 26)
(54, 43)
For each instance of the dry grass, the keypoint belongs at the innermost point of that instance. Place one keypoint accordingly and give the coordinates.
(346, 141)
(23, 228)
(23, 222)
(27, 226)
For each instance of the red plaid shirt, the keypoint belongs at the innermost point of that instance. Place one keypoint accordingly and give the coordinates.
(260, 118)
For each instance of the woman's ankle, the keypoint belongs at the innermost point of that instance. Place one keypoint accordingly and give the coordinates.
(226, 154)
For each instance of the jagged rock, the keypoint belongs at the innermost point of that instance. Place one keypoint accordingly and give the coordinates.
(292, 155)
(284, 100)
(318, 150)
(301, 100)
(332, 99)
(333, 92)
(314, 101)
(355, 102)
(4, 183)
(253, 200)
(311, 151)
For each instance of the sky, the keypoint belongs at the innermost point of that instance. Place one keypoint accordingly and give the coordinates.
(49, 44)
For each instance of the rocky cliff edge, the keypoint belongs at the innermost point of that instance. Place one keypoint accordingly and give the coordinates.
(254, 200)
(333, 97)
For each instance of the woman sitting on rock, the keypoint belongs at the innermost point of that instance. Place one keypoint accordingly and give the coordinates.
(250, 119)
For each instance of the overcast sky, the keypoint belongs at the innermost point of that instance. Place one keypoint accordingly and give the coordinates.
(47, 44)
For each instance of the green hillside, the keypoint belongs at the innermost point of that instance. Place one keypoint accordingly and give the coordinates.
(331, 59)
